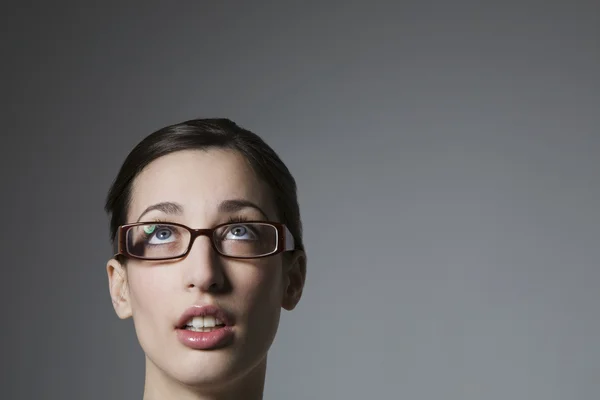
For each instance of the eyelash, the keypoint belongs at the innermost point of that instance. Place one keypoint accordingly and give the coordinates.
(231, 220)
(159, 220)
(237, 218)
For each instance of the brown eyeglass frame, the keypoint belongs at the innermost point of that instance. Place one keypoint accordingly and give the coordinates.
(285, 239)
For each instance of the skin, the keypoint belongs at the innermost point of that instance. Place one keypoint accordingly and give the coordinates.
(155, 294)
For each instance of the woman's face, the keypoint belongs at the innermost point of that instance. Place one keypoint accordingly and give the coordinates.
(252, 292)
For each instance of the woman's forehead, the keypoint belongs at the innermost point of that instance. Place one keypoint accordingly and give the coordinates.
(199, 180)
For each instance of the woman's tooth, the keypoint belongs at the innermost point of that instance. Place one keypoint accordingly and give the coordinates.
(209, 321)
(204, 324)
(198, 322)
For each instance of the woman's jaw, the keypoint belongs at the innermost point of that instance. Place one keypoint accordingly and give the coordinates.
(161, 385)
(215, 364)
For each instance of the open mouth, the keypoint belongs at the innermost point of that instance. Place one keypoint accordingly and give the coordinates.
(207, 323)
(205, 327)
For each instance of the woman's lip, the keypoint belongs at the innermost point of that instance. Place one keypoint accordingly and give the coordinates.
(215, 339)
(202, 311)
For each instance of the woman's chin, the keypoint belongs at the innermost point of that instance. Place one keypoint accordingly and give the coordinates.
(205, 368)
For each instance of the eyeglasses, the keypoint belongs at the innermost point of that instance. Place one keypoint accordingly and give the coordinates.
(167, 241)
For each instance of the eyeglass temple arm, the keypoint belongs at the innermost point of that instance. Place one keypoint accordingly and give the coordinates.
(290, 244)
(116, 244)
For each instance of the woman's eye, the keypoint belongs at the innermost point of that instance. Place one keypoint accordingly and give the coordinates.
(239, 232)
(160, 236)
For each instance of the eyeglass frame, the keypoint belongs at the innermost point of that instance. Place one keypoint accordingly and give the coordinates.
(285, 239)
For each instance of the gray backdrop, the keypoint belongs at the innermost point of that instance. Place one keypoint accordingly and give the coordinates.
(447, 159)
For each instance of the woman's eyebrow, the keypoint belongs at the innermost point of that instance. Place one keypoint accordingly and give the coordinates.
(168, 207)
(234, 205)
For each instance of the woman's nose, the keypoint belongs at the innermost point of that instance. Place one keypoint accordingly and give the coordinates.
(203, 267)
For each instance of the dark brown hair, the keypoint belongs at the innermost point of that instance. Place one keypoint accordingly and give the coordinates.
(204, 134)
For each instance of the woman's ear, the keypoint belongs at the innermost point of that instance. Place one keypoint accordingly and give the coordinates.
(118, 287)
(295, 276)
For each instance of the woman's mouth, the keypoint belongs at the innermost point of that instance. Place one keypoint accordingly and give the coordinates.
(205, 328)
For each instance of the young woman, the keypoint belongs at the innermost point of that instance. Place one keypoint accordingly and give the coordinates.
(208, 249)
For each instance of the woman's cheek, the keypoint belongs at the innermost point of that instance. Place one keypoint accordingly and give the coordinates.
(263, 287)
(149, 288)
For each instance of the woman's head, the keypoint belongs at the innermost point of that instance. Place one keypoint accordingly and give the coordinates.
(202, 174)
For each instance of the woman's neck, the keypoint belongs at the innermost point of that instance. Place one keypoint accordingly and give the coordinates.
(159, 386)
